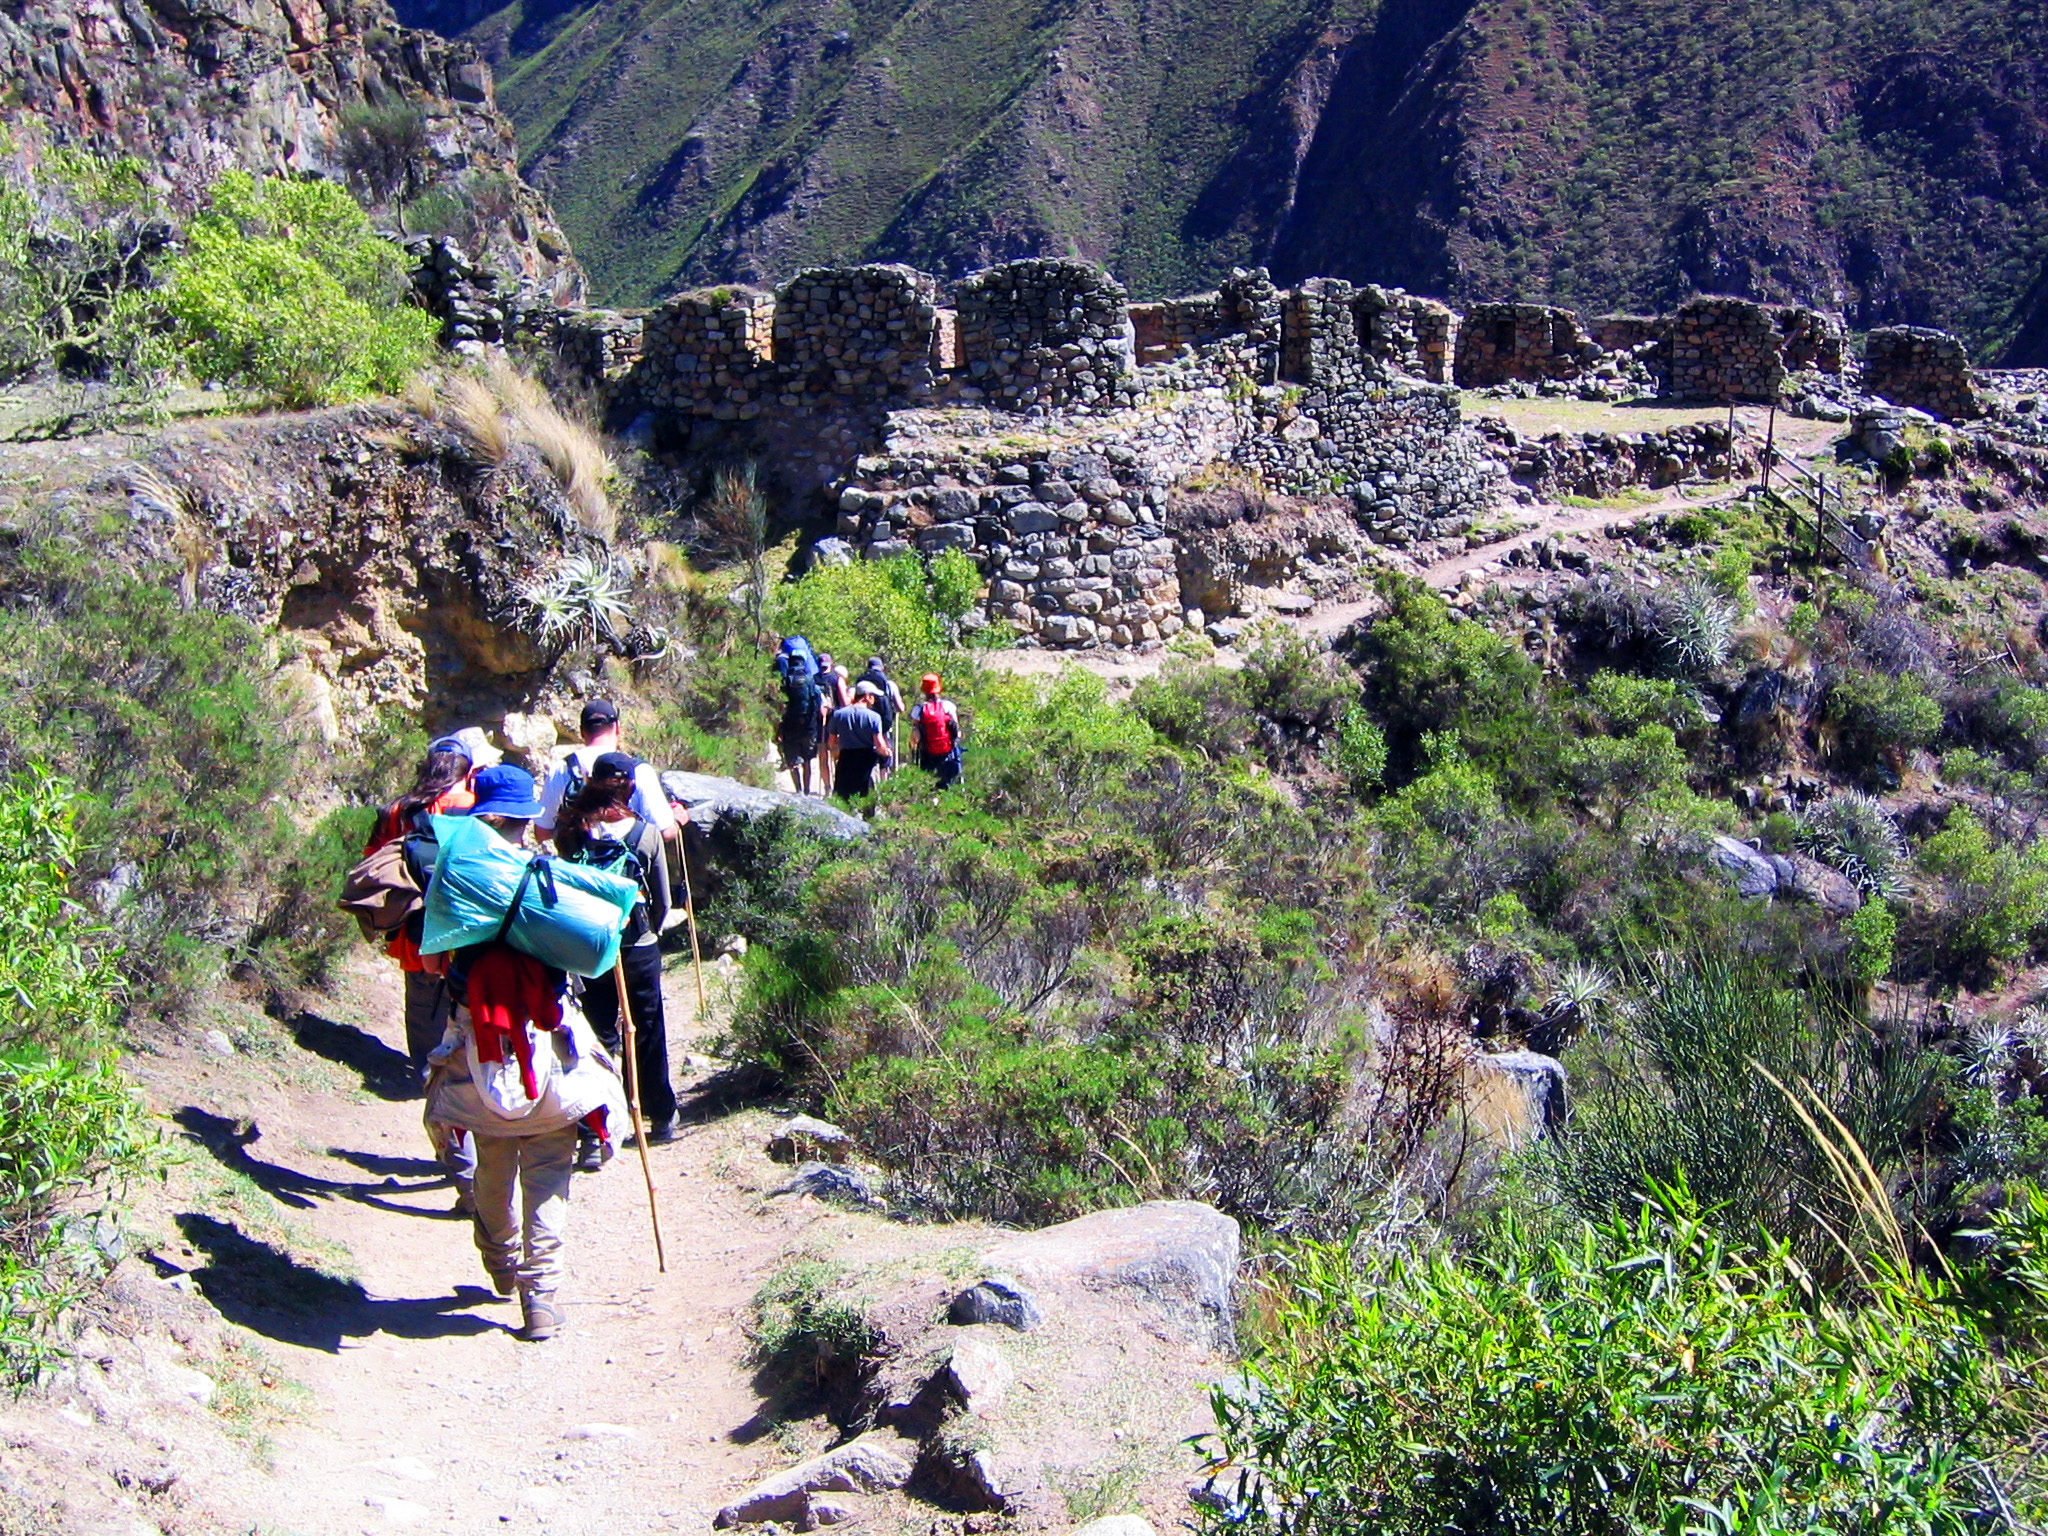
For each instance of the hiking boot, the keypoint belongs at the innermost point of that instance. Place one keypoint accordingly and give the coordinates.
(544, 1316)
(591, 1154)
(661, 1133)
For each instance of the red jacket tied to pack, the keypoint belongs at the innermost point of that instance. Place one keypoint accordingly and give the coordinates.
(508, 991)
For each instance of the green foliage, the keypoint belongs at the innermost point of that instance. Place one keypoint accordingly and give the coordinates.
(66, 1119)
(171, 724)
(1682, 1093)
(804, 1321)
(1873, 938)
(1856, 835)
(1427, 671)
(867, 607)
(284, 290)
(1643, 1375)
(1991, 902)
(1880, 719)
(1361, 749)
(955, 584)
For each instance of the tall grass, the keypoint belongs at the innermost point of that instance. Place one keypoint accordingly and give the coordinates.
(499, 409)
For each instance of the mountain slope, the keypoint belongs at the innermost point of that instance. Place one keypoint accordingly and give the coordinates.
(1886, 156)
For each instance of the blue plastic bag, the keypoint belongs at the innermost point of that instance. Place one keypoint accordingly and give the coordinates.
(570, 916)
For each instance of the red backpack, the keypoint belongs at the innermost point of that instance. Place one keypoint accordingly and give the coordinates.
(934, 728)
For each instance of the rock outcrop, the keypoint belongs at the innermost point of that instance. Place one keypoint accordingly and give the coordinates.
(274, 87)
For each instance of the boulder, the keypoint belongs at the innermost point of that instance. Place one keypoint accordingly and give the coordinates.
(841, 1186)
(978, 1376)
(1804, 879)
(879, 1460)
(1115, 1525)
(530, 742)
(801, 1134)
(1518, 1095)
(1754, 873)
(712, 802)
(1175, 1258)
(999, 1301)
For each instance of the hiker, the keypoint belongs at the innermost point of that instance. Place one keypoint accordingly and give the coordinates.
(935, 727)
(519, 1071)
(858, 743)
(600, 828)
(442, 785)
(600, 723)
(888, 704)
(802, 725)
(832, 696)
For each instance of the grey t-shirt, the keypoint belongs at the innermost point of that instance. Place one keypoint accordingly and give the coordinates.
(856, 727)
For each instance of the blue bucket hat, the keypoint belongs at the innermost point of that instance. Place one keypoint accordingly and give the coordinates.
(505, 791)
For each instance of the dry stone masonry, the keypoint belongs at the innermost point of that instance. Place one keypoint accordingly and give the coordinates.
(1508, 343)
(1929, 370)
(1046, 334)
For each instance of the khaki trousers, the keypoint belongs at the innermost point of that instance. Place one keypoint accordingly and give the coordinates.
(522, 1205)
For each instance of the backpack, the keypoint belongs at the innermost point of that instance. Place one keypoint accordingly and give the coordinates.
(800, 692)
(389, 886)
(934, 728)
(795, 656)
(885, 704)
(621, 856)
(578, 779)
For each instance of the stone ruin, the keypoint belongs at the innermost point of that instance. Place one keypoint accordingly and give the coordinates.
(1928, 370)
(1035, 419)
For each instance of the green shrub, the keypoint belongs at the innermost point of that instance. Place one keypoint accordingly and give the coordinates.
(1677, 1089)
(169, 723)
(805, 1324)
(66, 1119)
(1644, 1375)
(1873, 937)
(1880, 719)
(284, 290)
(1361, 749)
(954, 583)
(1991, 902)
(864, 608)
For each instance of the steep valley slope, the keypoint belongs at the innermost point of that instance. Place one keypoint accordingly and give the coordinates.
(1885, 157)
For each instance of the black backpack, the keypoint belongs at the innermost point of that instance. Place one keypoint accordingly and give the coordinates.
(579, 779)
(800, 693)
(620, 856)
(885, 701)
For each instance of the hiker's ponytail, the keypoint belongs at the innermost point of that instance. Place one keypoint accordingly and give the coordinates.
(603, 799)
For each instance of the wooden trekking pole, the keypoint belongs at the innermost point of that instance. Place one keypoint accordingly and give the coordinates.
(690, 916)
(633, 1108)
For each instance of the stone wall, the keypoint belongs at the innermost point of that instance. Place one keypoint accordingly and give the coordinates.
(601, 345)
(1626, 333)
(1511, 343)
(708, 353)
(856, 331)
(1726, 349)
(1408, 334)
(1174, 328)
(1599, 464)
(1046, 334)
(1320, 344)
(1926, 369)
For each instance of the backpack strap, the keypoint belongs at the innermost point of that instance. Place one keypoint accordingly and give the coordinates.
(539, 870)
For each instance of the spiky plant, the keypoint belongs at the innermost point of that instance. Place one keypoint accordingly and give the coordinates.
(1853, 833)
(583, 598)
(1696, 624)
(1581, 990)
(1988, 1048)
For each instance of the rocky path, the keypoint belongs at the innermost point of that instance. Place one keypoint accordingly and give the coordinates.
(427, 1412)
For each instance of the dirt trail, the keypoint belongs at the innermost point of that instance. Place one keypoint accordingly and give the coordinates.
(428, 1412)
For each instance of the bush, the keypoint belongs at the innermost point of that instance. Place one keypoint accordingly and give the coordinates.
(1361, 749)
(1856, 835)
(1991, 904)
(66, 1119)
(1880, 720)
(169, 724)
(861, 609)
(1644, 1375)
(283, 290)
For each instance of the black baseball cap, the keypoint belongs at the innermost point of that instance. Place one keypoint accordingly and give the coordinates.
(599, 712)
(613, 765)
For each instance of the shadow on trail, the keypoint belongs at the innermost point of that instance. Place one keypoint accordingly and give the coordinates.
(732, 1088)
(384, 1162)
(387, 1073)
(272, 1293)
(229, 1142)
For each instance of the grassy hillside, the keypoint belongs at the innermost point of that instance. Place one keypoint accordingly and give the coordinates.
(1885, 156)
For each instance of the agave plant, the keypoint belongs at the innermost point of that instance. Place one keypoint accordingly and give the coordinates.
(1988, 1049)
(1581, 990)
(583, 598)
(1697, 626)
(1853, 833)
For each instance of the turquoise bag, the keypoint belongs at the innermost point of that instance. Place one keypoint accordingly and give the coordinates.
(569, 916)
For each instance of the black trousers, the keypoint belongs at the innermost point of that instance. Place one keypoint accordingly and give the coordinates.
(648, 1067)
(855, 773)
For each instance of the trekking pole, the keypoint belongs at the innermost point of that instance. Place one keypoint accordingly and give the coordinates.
(633, 1108)
(690, 913)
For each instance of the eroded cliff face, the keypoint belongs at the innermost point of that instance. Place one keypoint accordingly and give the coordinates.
(195, 87)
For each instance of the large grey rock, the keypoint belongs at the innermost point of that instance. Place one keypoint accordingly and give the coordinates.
(801, 1134)
(1174, 1258)
(1115, 1525)
(841, 1186)
(996, 1300)
(713, 801)
(874, 1461)
(1754, 874)
(1805, 879)
(978, 1376)
(1537, 1084)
